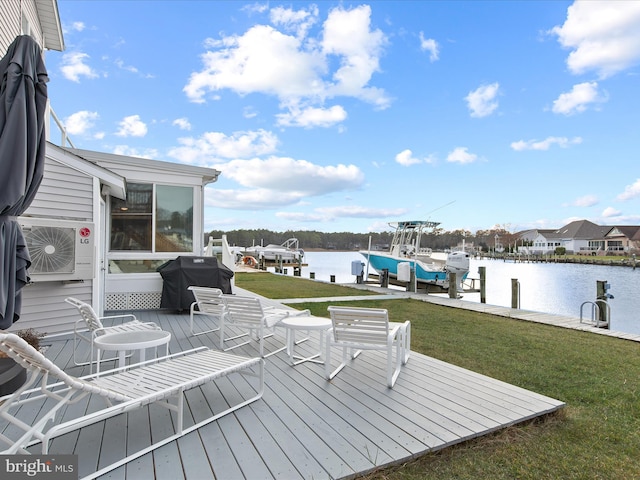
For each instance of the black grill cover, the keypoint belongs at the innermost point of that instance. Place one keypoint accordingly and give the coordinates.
(179, 274)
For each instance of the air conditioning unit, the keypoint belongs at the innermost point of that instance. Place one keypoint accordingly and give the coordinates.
(60, 249)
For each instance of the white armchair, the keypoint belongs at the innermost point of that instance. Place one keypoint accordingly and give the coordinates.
(248, 314)
(90, 326)
(355, 329)
(208, 302)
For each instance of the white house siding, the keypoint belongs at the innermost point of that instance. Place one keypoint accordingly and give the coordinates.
(64, 193)
(10, 23)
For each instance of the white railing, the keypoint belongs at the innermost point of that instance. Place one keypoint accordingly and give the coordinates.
(65, 138)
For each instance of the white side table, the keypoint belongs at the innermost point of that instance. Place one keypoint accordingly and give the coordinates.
(125, 341)
(308, 323)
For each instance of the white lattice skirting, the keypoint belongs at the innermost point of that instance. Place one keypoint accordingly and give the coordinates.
(133, 301)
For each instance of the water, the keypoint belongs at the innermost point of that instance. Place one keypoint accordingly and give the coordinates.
(544, 287)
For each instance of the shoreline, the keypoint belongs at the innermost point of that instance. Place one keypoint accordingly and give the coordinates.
(620, 261)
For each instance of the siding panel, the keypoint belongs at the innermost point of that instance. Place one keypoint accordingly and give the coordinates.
(44, 308)
(64, 193)
(9, 24)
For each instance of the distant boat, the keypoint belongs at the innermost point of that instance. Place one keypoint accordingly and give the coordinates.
(405, 253)
(288, 252)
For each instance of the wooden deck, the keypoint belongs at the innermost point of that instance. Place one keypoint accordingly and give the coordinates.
(304, 427)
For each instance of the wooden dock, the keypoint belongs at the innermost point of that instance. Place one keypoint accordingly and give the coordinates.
(564, 321)
(304, 427)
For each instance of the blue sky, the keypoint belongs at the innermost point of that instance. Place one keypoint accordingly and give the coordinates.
(338, 116)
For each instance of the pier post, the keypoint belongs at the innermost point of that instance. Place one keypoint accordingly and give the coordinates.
(515, 293)
(453, 285)
(411, 284)
(483, 284)
(384, 278)
(602, 295)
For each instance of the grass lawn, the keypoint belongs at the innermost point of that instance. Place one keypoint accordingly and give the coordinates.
(597, 435)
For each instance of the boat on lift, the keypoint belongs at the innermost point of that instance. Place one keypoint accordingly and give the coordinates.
(405, 253)
(288, 252)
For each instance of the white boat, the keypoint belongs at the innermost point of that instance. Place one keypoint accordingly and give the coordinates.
(288, 252)
(405, 253)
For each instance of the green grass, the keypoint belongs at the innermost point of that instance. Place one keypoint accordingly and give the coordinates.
(596, 436)
(282, 286)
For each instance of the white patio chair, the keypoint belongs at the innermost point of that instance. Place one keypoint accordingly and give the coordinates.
(208, 302)
(163, 382)
(355, 329)
(248, 314)
(89, 326)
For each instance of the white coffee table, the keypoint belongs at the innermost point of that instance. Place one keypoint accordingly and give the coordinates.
(308, 323)
(126, 341)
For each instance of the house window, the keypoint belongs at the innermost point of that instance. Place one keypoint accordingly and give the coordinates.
(137, 225)
(174, 219)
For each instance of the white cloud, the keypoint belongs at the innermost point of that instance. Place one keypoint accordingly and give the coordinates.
(73, 27)
(630, 191)
(461, 155)
(348, 34)
(611, 212)
(74, 66)
(182, 123)
(129, 68)
(482, 101)
(354, 211)
(329, 214)
(406, 158)
(277, 182)
(303, 217)
(132, 126)
(431, 46)
(80, 122)
(578, 99)
(585, 201)
(255, 199)
(213, 146)
(312, 117)
(289, 175)
(256, 7)
(298, 21)
(296, 69)
(249, 112)
(262, 60)
(125, 150)
(545, 144)
(603, 36)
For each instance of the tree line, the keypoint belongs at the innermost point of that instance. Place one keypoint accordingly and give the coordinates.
(438, 239)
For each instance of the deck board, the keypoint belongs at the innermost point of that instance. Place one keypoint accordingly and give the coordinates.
(303, 427)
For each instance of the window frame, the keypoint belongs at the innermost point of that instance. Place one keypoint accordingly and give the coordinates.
(153, 255)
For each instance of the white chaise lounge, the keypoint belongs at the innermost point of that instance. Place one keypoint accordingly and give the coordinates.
(123, 390)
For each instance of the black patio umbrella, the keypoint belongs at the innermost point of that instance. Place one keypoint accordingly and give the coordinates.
(23, 97)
